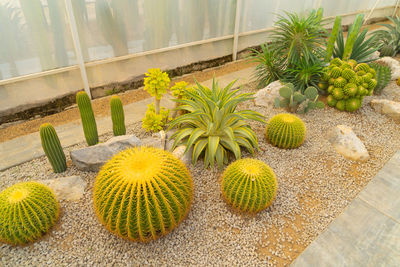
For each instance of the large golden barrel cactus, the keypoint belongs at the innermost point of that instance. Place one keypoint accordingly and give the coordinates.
(27, 211)
(249, 185)
(143, 193)
(285, 131)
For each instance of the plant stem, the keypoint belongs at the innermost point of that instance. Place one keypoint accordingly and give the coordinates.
(157, 106)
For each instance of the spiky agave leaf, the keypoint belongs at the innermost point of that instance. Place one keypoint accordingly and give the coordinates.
(389, 37)
(213, 125)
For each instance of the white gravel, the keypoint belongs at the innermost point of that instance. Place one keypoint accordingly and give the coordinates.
(315, 185)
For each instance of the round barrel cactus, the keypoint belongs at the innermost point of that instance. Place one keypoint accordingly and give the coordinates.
(27, 211)
(285, 131)
(142, 193)
(249, 185)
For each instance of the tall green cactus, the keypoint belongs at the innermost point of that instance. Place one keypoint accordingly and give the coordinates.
(87, 117)
(331, 41)
(383, 75)
(117, 116)
(352, 36)
(52, 147)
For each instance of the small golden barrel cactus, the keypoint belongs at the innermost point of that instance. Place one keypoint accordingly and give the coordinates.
(142, 193)
(249, 185)
(27, 211)
(285, 131)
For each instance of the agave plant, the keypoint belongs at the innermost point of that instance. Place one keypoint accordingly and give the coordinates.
(388, 40)
(213, 125)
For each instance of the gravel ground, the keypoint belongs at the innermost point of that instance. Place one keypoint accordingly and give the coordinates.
(315, 185)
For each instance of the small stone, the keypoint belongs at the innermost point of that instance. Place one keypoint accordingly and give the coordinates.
(185, 157)
(346, 143)
(265, 97)
(387, 107)
(69, 188)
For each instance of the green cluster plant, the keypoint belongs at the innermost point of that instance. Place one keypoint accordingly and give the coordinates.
(347, 82)
(213, 125)
(27, 211)
(87, 118)
(387, 41)
(285, 131)
(383, 75)
(143, 193)
(117, 116)
(249, 185)
(178, 92)
(293, 100)
(52, 147)
(156, 84)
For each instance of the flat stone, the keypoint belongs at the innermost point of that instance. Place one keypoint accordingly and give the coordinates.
(179, 153)
(69, 188)
(346, 143)
(394, 66)
(93, 157)
(265, 97)
(387, 107)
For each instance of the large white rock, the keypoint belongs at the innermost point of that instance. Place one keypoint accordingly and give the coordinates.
(394, 66)
(346, 143)
(387, 107)
(93, 157)
(265, 97)
(69, 188)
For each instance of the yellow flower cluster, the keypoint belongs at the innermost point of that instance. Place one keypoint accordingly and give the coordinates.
(156, 82)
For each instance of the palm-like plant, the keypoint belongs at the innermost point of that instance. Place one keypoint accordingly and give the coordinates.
(388, 40)
(213, 125)
(304, 74)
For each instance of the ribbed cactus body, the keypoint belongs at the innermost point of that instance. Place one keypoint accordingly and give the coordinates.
(142, 193)
(117, 116)
(285, 131)
(27, 211)
(52, 147)
(87, 117)
(249, 185)
(383, 76)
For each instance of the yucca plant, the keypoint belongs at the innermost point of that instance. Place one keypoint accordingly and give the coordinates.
(388, 40)
(213, 125)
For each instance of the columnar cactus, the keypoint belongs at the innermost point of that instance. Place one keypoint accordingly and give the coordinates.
(383, 75)
(27, 211)
(52, 147)
(352, 36)
(87, 117)
(249, 185)
(117, 116)
(285, 131)
(332, 38)
(142, 193)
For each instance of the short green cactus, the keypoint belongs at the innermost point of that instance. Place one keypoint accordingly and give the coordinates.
(285, 131)
(249, 185)
(117, 116)
(293, 100)
(87, 117)
(27, 211)
(143, 193)
(52, 147)
(383, 75)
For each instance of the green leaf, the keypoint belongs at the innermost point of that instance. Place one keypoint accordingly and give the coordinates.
(198, 148)
(193, 137)
(213, 143)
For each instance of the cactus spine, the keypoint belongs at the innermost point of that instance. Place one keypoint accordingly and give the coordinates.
(52, 147)
(142, 193)
(249, 185)
(27, 211)
(383, 75)
(352, 36)
(87, 117)
(331, 41)
(285, 131)
(117, 116)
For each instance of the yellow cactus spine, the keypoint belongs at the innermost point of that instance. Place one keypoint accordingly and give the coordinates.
(285, 131)
(27, 211)
(249, 185)
(87, 117)
(142, 193)
(117, 116)
(52, 147)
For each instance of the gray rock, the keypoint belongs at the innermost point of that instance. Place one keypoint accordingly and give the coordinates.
(69, 188)
(179, 153)
(93, 157)
(265, 97)
(346, 143)
(387, 107)
(394, 66)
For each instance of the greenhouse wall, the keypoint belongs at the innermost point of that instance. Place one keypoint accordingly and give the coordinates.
(51, 49)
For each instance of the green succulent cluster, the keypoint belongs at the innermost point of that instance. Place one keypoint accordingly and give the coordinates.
(153, 122)
(27, 211)
(383, 75)
(143, 193)
(347, 82)
(156, 82)
(249, 185)
(285, 131)
(292, 99)
(179, 89)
